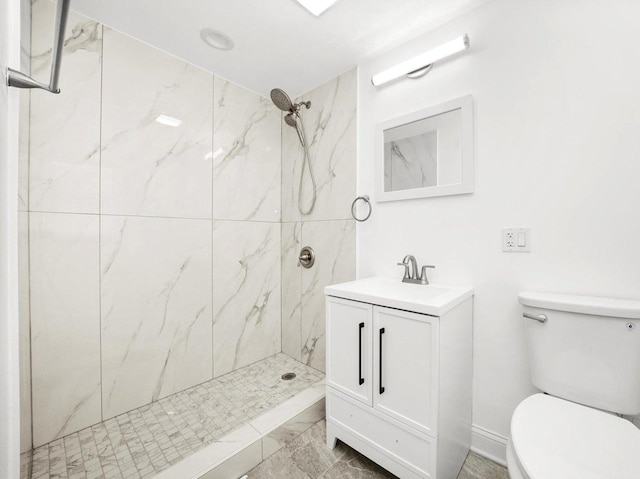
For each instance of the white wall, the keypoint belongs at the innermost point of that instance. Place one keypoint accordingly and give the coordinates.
(557, 146)
(9, 384)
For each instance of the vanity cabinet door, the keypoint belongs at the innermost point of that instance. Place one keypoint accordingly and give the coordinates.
(349, 337)
(406, 367)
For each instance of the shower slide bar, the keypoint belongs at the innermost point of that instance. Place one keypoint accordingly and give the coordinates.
(20, 80)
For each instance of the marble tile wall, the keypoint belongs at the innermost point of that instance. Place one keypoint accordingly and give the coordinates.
(23, 240)
(65, 323)
(330, 129)
(60, 286)
(149, 168)
(154, 250)
(291, 290)
(25, 331)
(246, 155)
(64, 157)
(161, 257)
(335, 244)
(329, 229)
(246, 296)
(303, 315)
(156, 282)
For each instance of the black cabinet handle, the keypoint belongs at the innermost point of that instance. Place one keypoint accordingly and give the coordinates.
(360, 378)
(381, 390)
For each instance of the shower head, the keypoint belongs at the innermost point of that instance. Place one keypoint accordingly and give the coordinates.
(290, 120)
(281, 100)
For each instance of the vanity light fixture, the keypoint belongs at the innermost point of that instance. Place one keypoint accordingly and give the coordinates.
(317, 7)
(169, 121)
(420, 65)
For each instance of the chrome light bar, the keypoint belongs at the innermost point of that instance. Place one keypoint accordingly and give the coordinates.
(421, 64)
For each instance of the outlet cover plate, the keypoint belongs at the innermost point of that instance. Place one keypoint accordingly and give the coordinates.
(516, 240)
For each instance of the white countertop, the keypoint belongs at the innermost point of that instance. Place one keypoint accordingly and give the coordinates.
(433, 299)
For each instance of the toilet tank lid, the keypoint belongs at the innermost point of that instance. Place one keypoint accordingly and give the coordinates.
(617, 308)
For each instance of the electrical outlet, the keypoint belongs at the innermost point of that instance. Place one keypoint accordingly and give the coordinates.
(516, 240)
(510, 240)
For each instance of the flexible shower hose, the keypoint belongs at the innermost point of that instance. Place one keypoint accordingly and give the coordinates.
(305, 160)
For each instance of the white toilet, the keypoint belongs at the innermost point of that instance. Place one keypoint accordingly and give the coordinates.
(585, 355)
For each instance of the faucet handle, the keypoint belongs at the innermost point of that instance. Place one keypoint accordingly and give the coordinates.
(406, 270)
(423, 275)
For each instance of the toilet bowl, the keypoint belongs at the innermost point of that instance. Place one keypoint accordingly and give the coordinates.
(552, 438)
(585, 355)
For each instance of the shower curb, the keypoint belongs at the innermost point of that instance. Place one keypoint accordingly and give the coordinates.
(241, 450)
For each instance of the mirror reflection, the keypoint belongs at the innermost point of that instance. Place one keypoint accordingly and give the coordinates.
(424, 153)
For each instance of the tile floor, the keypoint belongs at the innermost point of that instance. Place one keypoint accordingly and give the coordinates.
(307, 457)
(147, 440)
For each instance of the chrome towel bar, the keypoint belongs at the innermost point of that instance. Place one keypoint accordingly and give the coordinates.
(20, 80)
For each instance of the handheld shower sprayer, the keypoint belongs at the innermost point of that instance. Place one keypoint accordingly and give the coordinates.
(294, 120)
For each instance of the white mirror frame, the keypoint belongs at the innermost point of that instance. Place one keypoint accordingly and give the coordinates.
(465, 104)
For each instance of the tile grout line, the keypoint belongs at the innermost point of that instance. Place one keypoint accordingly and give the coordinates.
(100, 222)
(148, 425)
(28, 226)
(133, 434)
(196, 218)
(213, 118)
(97, 451)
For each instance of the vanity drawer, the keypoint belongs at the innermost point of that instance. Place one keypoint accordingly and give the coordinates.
(408, 447)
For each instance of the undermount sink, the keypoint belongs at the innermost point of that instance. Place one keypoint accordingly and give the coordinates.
(433, 299)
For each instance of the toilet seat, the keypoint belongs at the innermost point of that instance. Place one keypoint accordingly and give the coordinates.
(556, 439)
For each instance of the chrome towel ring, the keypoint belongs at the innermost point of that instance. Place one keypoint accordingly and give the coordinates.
(364, 198)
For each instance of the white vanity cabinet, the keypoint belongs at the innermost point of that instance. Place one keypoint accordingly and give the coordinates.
(399, 381)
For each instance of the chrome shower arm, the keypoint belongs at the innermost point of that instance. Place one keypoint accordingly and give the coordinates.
(20, 80)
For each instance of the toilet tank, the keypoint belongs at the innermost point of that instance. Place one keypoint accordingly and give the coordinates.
(587, 351)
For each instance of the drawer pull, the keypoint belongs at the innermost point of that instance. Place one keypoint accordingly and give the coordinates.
(381, 389)
(360, 378)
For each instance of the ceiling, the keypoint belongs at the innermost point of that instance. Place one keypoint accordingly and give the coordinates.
(277, 42)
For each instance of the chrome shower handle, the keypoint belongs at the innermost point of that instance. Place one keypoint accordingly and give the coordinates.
(307, 257)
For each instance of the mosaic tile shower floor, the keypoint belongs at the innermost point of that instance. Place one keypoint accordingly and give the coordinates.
(148, 440)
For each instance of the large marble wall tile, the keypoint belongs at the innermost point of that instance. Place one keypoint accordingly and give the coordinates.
(246, 155)
(156, 308)
(65, 324)
(23, 151)
(65, 128)
(149, 168)
(291, 292)
(25, 333)
(246, 293)
(334, 244)
(292, 152)
(331, 129)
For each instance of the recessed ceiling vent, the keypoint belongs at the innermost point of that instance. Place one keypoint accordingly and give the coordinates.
(216, 39)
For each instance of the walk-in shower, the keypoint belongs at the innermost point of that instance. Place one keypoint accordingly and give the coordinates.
(294, 120)
(156, 295)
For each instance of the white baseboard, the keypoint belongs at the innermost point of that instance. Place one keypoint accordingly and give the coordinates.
(489, 444)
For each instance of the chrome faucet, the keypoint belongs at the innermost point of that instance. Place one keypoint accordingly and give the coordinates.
(414, 276)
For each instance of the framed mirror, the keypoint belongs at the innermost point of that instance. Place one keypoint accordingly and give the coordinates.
(426, 153)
